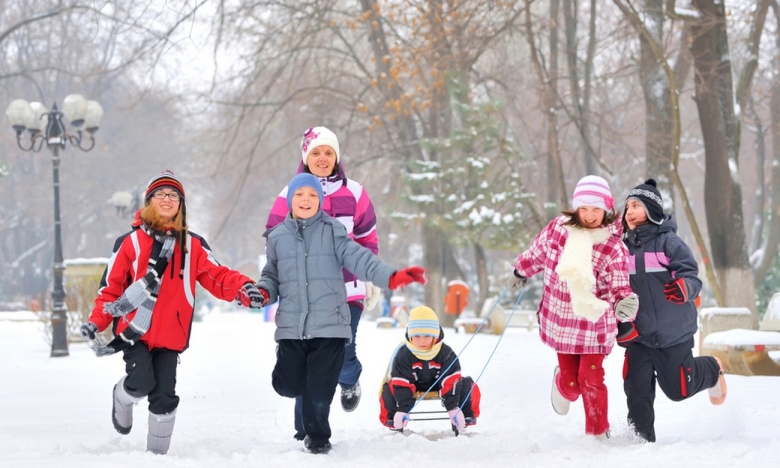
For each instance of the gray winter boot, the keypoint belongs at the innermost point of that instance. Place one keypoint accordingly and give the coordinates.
(160, 430)
(122, 410)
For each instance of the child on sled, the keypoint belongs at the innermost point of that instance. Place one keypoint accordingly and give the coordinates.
(423, 363)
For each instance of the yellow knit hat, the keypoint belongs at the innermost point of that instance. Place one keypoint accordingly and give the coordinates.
(423, 321)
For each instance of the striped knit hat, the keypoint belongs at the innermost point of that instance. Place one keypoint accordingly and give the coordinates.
(164, 179)
(648, 195)
(593, 191)
(318, 136)
(423, 322)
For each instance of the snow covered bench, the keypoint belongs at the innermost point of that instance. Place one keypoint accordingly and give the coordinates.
(742, 350)
(497, 322)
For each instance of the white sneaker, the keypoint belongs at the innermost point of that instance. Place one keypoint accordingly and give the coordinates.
(718, 392)
(602, 436)
(559, 403)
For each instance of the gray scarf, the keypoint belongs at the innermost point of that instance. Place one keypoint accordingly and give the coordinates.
(141, 295)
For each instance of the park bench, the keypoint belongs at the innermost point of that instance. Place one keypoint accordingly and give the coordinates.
(726, 333)
(497, 323)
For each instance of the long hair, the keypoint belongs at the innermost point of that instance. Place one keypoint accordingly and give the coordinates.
(574, 218)
(178, 224)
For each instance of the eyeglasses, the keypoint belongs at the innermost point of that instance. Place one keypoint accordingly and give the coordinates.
(160, 195)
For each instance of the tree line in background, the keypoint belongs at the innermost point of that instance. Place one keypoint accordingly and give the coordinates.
(468, 122)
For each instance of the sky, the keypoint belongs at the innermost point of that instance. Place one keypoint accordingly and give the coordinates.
(57, 411)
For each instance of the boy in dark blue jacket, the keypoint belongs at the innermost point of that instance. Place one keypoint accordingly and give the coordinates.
(664, 274)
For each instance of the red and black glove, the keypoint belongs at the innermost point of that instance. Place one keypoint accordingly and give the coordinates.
(626, 333)
(676, 292)
(407, 276)
(251, 296)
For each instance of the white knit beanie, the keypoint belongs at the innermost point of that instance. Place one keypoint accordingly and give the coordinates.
(318, 136)
(593, 191)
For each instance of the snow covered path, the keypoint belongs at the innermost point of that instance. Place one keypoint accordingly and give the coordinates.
(56, 412)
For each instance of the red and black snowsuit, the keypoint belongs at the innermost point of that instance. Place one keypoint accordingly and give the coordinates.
(409, 374)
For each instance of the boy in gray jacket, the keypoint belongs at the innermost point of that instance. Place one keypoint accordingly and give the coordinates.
(306, 254)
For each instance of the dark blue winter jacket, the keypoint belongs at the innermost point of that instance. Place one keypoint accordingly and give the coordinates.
(656, 257)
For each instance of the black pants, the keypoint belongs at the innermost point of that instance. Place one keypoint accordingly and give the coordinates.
(153, 374)
(679, 374)
(310, 368)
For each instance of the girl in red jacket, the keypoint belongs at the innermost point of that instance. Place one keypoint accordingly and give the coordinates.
(147, 295)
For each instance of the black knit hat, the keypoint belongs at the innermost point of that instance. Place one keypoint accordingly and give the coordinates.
(648, 195)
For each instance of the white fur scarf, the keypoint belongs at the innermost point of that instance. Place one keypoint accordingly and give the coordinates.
(575, 267)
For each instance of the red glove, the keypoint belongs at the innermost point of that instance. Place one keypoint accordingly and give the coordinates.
(675, 291)
(407, 276)
(251, 296)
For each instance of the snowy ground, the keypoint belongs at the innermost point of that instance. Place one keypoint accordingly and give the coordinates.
(56, 411)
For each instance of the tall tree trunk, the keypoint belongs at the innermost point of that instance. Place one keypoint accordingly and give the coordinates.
(659, 133)
(433, 259)
(548, 85)
(756, 236)
(673, 76)
(571, 16)
(556, 194)
(770, 245)
(722, 190)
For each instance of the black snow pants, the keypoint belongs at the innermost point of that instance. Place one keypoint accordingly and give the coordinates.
(679, 374)
(310, 368)
(153, 374)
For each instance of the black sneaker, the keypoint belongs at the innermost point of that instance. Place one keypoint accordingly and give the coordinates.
(299, 436)
(350, 398)
(471, 421)
(317, 447)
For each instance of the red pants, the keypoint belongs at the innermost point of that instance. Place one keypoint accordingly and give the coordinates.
(583, 374)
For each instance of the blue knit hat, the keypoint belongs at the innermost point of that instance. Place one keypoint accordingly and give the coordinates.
(303, 180)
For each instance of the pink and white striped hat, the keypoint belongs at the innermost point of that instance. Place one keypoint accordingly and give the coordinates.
(593, 191)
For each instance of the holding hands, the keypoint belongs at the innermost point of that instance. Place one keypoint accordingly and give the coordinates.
(407, 276)
(626, 308)
(88, 331)
(251, 296)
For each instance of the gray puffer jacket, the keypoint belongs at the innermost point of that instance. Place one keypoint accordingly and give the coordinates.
(305, 257)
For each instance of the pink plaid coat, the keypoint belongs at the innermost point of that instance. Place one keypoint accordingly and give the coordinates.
(558, 326)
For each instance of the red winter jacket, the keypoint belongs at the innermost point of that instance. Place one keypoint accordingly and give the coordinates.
(172, 315)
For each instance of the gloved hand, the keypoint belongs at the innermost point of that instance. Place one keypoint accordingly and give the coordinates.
(407, 276)
(516, 281)
(88, 331)
(457, 419)
(250, 296)
(627, 333)
(373, 294)
(400, 420)
(676, 291)
(626, 308)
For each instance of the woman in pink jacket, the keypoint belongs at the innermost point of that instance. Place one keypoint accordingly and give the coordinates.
(586, 292)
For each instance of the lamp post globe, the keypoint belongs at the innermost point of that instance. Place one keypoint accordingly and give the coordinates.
(47, 127)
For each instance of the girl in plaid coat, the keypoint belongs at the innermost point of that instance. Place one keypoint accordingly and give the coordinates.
(586, 292)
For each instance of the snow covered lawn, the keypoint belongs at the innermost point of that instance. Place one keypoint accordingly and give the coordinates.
(56, 411)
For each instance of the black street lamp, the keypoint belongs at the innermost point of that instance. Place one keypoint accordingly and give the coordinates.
(51, 130)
